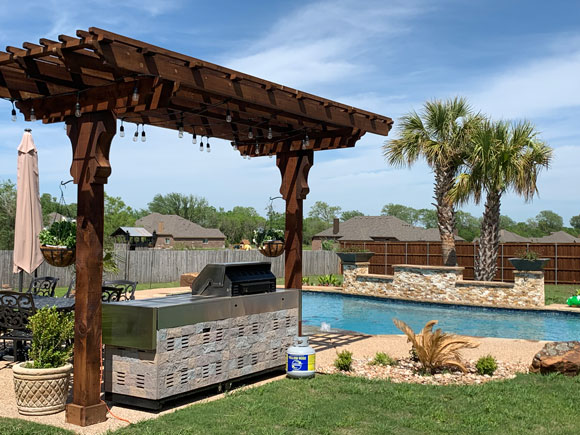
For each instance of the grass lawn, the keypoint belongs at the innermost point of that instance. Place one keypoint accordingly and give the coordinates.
(557, 294)
(529, 404)
(61, 291)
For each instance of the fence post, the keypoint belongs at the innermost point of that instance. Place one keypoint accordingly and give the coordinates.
(556, 263)
(406, 261)
(502, 261)
(427, 253)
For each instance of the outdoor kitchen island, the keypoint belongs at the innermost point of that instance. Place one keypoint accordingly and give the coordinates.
(234, 324)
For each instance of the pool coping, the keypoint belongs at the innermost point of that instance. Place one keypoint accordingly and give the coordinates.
(563, 309)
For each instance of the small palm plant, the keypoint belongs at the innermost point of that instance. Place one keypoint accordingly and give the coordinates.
(436, 349)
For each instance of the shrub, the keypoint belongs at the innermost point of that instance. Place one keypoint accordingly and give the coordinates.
(343, 361)
(329, 280)
(382, 359)
(486, 365)
(436, 349)
(52, 334)
(328, 245)
(528, 254)
(305, 280)
(62, 233)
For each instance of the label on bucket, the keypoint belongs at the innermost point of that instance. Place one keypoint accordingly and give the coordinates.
(301, 363)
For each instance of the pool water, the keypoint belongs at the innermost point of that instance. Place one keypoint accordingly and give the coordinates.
(375, 316)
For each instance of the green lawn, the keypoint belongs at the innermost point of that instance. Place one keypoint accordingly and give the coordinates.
(61, 291)
(557, 294)
(529, 404)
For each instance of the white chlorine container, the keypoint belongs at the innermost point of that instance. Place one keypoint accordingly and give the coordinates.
(301, 359)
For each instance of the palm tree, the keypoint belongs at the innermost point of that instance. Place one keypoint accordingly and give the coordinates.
(439, 134)
(502, 157)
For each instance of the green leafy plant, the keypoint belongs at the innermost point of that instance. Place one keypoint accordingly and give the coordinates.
(109, 263)
(486, 365)
(356, 249)
(383, 359)
(528, 254)
(328, 245)
(262, 235)
(436, 350)
(62, 233)
(328, 280)
(52, 333)
(343, 361)
(305, 280)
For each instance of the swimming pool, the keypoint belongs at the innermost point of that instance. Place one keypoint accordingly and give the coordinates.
(375, 316)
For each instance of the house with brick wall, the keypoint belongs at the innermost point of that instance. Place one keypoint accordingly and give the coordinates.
(172, 231)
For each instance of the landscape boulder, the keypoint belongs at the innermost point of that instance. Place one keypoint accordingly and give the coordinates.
(558, 357)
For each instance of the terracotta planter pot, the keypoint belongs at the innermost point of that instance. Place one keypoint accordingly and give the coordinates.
(522, 264)
(272, 248)
(41, 391)
(355, 257)
(58, 256)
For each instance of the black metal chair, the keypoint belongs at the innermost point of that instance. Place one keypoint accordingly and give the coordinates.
(111, 293)
(127, 288)
(43, 286)
(15, 310)
(70, 293)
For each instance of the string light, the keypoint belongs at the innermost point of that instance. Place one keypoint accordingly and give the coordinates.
(257, 148)
(135, 96)
(250, 133)
(122, 130)
(13, 112)
(201, 145)
(207, 147)
(305, 142)
(32, 114)
(235, 145)
(180, 134)
(194, 138)
(269, 132)
(136, 135)
(228, 116)
(143, 137)
(78, 108)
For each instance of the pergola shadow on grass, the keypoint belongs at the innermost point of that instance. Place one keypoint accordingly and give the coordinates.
(91, 80)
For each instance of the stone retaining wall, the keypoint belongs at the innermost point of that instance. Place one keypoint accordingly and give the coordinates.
(445, 284)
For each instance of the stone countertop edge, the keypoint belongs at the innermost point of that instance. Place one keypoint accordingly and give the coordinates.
(473, 283)
(421, 266)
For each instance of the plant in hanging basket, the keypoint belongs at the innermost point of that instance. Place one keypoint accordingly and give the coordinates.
(58, 243)
(270, 242)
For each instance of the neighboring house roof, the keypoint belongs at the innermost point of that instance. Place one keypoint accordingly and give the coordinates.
(506, 236)
(178, 227)
(369, 228)
(132, 232)
(557, 237)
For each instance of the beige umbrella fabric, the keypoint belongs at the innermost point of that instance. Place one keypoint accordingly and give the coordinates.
(27, 254)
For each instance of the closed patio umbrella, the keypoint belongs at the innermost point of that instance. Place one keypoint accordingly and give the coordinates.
(27, 254)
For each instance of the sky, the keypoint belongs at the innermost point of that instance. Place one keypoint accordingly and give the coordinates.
(512, 60)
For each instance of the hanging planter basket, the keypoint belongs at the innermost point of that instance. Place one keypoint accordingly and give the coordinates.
(58, 256)
(272, 248)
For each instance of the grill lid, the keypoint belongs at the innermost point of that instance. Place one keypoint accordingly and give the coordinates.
(234, 279)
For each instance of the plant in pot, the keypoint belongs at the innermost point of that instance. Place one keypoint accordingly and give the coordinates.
(270, 242)
(354, 254)
(58, 243)
(528, 260)
(41, 384)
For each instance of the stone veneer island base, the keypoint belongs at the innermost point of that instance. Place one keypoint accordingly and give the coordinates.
(445, 284)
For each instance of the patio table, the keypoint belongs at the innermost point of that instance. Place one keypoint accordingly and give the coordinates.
(62, 304)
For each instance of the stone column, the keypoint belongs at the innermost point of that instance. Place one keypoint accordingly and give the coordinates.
(530, 283)
(350, 270)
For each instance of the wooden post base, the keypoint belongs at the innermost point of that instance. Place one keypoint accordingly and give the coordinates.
(86, 415)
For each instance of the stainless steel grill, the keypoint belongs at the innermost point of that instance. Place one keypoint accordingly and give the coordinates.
(234, 279)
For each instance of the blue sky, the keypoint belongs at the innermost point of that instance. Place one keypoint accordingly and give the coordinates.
(511, 59)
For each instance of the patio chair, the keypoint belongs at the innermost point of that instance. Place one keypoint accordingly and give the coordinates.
(43, 286)
(127, 288)
(70, 293)
(15, 309)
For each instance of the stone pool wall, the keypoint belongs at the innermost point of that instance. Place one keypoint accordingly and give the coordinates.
(445, 284)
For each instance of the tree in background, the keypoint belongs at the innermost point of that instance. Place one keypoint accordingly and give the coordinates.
(50, 204)
(312, 226)
(468, 226)
(7, 214)
(428, 217)
(407, 214)
(324, 212)
(440, 134)
(575, 222)
(190, 207)
(349, 214)
(118, 214)
(502, 157)
(549, 222)
(239, 223)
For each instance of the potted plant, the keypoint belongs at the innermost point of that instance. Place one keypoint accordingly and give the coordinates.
(354, 255)
(58, 243)
(41, 384)
(528, 260)
(270, 242)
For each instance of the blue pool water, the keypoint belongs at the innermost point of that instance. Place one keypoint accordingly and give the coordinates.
(375, 316)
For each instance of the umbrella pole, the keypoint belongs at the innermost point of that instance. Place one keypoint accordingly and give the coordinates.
(20, 280)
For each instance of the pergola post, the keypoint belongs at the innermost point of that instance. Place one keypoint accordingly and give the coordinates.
(91, 137)
(294, 167)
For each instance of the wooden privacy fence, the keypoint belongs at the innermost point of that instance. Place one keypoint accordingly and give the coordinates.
(563, 267)
(154, 265)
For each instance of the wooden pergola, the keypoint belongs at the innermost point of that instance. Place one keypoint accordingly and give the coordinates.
(91, 80)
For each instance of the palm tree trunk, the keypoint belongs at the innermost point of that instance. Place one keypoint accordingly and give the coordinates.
(486, 261)
(444, 178)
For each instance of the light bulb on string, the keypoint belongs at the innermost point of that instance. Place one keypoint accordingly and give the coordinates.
(201, 145)
(122, 129)
(136, 135)
(305, 142)
(228, 116)
(143, 137)
(13, 112)
(207, 147)
(269, 133)
(250, 133)
(32, 115)
(78, 110)
(257, 148)
(194, 138)
(234, 145)
(135, 96)
(180, 134)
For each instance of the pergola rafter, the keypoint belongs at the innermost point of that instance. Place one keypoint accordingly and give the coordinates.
(92, 80)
